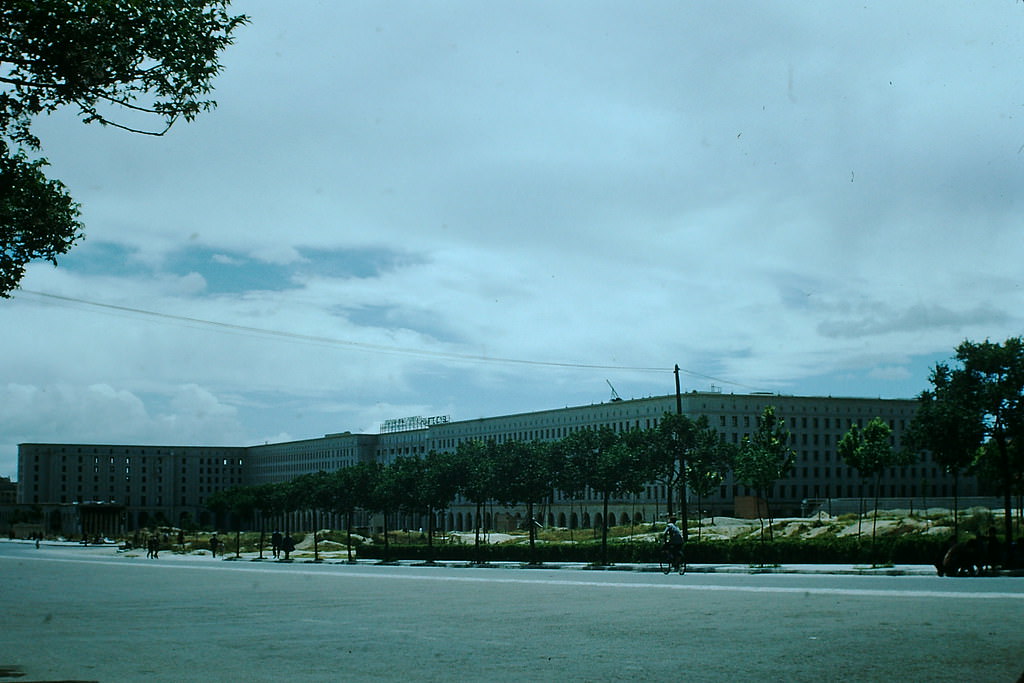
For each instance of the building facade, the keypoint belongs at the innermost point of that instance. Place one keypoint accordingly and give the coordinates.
(154, 484)
(169, 484)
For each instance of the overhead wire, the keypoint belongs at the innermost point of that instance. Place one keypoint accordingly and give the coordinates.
(363, 346)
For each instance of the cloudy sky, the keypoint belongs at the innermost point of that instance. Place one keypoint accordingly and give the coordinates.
(472, 209)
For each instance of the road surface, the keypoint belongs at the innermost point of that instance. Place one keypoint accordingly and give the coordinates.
(71, 614)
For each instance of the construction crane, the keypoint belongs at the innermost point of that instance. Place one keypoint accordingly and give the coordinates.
(615, 394)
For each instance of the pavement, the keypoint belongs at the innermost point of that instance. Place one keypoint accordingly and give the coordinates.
(336, 557)
(340, 557)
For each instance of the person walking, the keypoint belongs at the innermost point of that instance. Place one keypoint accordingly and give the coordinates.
(287, 545)
(214, 544)
(275, 544)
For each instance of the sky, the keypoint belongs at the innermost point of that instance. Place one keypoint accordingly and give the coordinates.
(476, 209)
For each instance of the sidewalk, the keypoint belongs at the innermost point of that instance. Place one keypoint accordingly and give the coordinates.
(334, 557)
(340, 557)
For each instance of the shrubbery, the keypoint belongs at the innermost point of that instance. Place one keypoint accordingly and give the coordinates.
(905, 549)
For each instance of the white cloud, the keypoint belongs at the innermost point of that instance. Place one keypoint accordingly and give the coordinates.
(568, 183)
(101, 413)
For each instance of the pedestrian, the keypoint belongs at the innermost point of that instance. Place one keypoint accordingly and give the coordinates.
(214, 544)
(993, 549)
(38, 536)
(181, 539)
(156, 547)
(287, 545)
(275, 543)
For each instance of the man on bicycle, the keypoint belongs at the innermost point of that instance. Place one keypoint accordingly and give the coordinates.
(673, 538)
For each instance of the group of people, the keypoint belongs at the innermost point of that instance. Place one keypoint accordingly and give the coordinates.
(282, 544)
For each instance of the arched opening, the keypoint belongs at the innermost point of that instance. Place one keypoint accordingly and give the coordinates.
(574, 521)
(551, 519)
(611, 519)
(561, 519)
(598, 521)
(586, 520)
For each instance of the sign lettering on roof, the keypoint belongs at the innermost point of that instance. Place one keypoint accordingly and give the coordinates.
(405, 424)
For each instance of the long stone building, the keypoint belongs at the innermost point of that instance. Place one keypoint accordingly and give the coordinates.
(171, 484)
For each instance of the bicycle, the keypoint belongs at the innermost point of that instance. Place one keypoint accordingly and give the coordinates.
(672, 559)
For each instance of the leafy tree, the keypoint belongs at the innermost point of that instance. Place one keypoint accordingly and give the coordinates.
(607, 465)
(38, 219)
(850, 451)
(407, 473)
(266, 500)
(438, 488)
(763, 458)
(314, 492)
(346, 485)
(380, 496)
(947, 425)
(870, 451)
(708, 463)
(991, 379)
(475, 471)
(568, 479)
(988, 468)
(672, 440)
(138, 66)
(238, 503)
(524, 474)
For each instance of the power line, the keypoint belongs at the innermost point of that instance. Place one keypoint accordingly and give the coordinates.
(364, 346)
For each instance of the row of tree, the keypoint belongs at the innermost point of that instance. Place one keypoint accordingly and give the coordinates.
(594, 462)
(971, 419)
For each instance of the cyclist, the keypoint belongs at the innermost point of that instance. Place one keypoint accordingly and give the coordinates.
(673, 545)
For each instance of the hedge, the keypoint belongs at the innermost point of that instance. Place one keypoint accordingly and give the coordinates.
(906, 549)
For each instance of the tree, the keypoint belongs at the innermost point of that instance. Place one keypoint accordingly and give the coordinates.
(870, 451)
(524, 475)
(606, 464)
(38, 219)
(238, 503)
(988, 468)
(763, 458)
(708, 463)
(438, 488)
(265, 499)
(407, 474)
(346, 484)
(379, 496)
(475, 467)
(948, 426)
(849, 450)
(673, 438)
(991, 378)
(138, 66)
(313, 491)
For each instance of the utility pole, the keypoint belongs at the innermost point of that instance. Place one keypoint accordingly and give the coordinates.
(682, 470)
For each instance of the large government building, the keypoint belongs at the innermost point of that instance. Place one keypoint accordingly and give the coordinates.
(139, 485)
